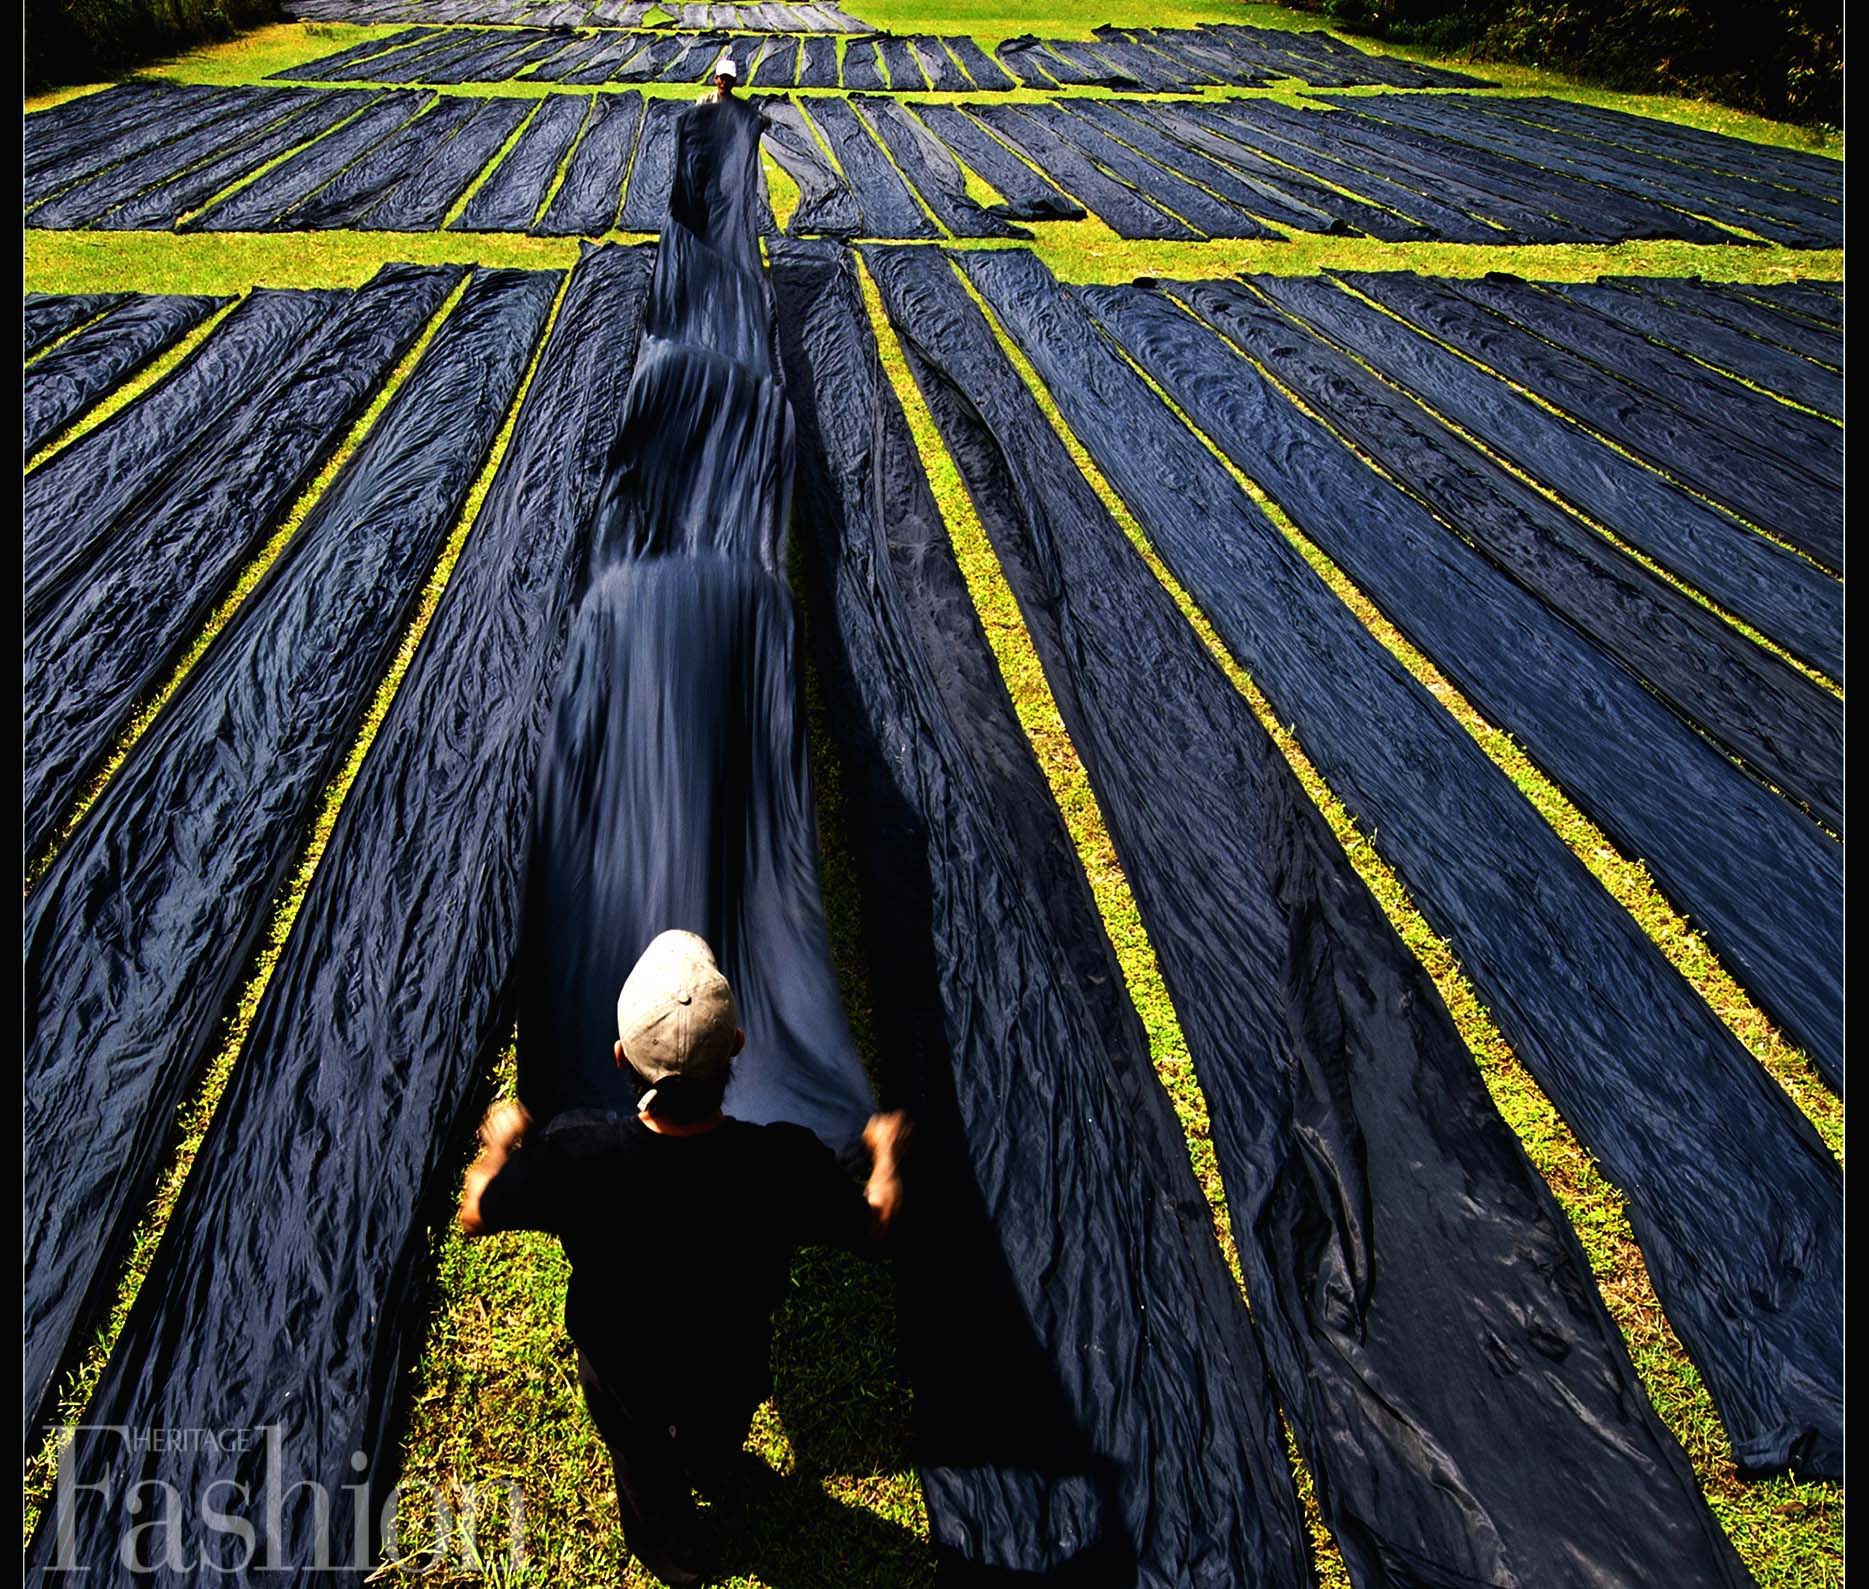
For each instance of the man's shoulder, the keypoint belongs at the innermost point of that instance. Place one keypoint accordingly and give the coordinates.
(581, 1133)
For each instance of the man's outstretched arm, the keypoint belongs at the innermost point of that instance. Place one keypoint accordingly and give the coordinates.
(500, 1134)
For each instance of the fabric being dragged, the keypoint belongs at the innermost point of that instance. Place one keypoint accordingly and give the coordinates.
(673, 790)
(84, 368)
(109, 639)
(1090, 1398)
(1608, 1029)
(1428, 1316)
(46, 317)
(202, 821)
(1787, 598)
(73, 504)
(296, 1313)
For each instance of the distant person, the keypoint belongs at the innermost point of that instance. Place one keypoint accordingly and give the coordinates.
(680, 1223)
(726, 79)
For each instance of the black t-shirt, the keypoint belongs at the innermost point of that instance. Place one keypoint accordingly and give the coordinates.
(680, 1247)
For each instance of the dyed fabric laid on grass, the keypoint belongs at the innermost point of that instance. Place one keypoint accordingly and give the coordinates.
(510, 197)
(1708, 302)
(1025, 194)
(1760, 879)
(591, 193)
(1165, 187)
(1720, 404)
(202, 823)
(1150, 59)
(1604, 1024)
(75, 502)
(1537, 132)
(168, 203)
(118, 127)
(350, 197)
(422, 200)
(1423, 1302)
(1036, 134)
(1694, 448)
(87, 366)
(1090, 1399)
(645, 200)
(86, 202)
(337, 68)
(108, 639)
(888, 206)
(257, 205)
(1666, 313)
(1787, 730)
(936, 174)
(45, 317)
(299, 1313)
(826, 204)
(1767, 585)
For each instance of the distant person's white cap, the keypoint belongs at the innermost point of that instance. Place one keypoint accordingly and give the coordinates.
(727, 69)
(676, 1014)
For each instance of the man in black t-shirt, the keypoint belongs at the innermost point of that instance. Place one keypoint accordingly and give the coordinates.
(680, 1224)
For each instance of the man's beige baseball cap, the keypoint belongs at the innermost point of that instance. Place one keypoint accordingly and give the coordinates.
(726, 68)
(676, 1014)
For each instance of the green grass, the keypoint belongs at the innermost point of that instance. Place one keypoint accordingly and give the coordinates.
(494, 1396)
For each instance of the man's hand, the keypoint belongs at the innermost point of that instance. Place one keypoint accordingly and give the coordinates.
(885, 1137)
(505, 1127)
(501, 1133)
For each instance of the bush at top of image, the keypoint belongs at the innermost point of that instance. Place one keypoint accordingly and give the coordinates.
(83, 41)
(1780, 58)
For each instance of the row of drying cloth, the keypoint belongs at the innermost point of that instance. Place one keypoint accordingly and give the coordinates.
(1156, 60)
(775, 16)
(1090, 1388)
(1402, 168)
(1728, 401)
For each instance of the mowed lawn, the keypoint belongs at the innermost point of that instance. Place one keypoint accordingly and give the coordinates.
(505, 1481)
